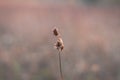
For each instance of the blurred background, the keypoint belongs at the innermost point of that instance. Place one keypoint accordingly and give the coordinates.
(90, 30)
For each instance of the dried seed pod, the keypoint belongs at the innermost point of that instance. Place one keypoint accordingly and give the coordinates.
(59, 44)
(55, 32)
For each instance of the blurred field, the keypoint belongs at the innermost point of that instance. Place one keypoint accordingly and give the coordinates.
(91, 36)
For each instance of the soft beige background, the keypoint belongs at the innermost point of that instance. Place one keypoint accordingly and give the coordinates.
(90, 34)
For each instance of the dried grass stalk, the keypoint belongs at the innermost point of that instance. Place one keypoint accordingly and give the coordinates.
(59, 46)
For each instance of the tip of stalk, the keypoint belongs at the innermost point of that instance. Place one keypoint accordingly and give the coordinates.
(55, 31)
(59, 43)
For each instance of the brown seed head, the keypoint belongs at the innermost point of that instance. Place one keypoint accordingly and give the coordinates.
(59, 44)
(55, 32)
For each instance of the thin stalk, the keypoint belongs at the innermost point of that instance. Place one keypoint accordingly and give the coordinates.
(60, 65)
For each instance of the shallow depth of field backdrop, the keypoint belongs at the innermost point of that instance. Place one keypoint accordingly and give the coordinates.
(90, 30)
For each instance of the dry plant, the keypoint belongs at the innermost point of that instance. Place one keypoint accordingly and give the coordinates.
(59, 46)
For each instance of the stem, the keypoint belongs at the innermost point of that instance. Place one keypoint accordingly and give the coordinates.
(60, 66)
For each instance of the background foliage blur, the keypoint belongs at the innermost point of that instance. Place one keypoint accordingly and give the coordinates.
(90, 30)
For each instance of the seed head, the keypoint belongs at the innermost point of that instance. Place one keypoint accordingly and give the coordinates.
(59, 42)
(55, 31)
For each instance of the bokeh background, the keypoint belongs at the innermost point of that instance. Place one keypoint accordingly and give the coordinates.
(90, 30)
